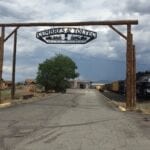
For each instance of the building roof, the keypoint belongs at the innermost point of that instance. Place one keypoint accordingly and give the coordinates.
(81, 81)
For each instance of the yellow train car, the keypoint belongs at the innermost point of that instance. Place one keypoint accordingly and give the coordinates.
(115, 86)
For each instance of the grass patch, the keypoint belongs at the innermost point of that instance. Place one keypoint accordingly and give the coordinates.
(144, 107)
(6, 94)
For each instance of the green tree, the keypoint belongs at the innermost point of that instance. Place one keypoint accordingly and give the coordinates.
(54, 73)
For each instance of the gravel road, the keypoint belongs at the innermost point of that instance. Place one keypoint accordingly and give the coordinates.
(77, 120)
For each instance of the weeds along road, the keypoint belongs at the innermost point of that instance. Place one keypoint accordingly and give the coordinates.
(77, 120)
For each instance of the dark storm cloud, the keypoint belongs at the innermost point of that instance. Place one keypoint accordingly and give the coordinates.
(138, 6)
(9, 10)
(5, 12)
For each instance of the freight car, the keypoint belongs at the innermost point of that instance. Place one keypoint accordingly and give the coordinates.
(108, 87)
(116, 86)
(143, 86)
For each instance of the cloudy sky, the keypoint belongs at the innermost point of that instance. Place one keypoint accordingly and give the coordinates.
(100, 59)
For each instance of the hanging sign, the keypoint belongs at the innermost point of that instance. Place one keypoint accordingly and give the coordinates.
(66, 36)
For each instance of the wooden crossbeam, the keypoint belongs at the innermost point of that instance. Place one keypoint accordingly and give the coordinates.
(85, 23)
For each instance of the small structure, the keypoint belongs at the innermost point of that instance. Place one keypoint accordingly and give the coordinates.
(29, 82)
(30, 85)
(80, 84)
(97, 85)
(5, 85)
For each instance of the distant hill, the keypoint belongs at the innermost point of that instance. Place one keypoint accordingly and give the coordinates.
(102, 81)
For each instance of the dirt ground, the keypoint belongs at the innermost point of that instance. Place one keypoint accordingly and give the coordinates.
(143, 104)
(32, 94)
(76, 120)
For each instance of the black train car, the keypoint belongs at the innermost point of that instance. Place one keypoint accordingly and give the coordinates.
(108, 86)
(143, 86)
(122, 87)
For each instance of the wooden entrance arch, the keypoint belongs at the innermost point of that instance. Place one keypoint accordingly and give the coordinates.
(130, 53)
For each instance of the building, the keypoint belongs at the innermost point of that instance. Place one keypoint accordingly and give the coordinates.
(97, 86)
(6, 85)
(79, 84)
(29, 81)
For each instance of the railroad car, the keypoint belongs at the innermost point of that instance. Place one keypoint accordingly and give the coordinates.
(143, 86)
(116, 86)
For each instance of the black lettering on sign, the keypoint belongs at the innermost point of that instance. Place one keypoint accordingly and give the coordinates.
(66, 36)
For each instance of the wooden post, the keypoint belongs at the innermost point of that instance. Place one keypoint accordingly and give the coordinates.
(14, 66)
(134, 77)
(131, 71)
(129, 66)
(1, 57)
